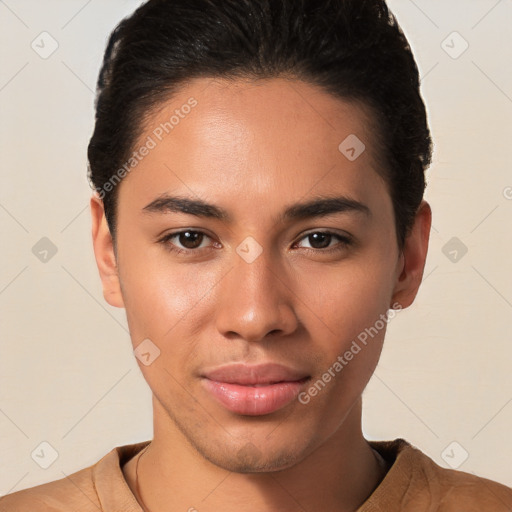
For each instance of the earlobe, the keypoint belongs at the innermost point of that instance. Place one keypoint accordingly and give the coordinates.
(412, 260)
(104, 254)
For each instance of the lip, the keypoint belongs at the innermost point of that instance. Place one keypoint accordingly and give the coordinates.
(254, 389)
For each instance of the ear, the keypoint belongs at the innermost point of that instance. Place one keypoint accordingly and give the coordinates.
(412, 258)
(105, 255)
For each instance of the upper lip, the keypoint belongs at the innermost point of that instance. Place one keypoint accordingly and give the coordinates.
(244, 374)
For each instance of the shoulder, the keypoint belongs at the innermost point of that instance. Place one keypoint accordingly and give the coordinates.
(97, 487)
(74, 492)
(461, 489)
(418, 483)
(456, 490)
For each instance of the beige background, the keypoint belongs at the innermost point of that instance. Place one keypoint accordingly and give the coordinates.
(67, 373)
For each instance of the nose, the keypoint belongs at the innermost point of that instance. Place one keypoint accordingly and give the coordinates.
(255, 301)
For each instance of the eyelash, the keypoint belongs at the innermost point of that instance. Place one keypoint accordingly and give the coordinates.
(344, 241)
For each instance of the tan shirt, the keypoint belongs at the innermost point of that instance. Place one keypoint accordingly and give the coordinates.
(414, 483)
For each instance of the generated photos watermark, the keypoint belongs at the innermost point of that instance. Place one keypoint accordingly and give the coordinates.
(157, 135)
(355, 348)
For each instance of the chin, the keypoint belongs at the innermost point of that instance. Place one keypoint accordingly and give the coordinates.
(249, 459)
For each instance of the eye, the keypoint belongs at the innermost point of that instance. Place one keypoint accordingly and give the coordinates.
(189, 239)
(320, 241)
(192, 240)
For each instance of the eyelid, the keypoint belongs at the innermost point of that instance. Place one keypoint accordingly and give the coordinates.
(327, 231)
(344, 240)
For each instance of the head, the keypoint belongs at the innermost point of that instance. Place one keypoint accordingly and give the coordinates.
(259, 175)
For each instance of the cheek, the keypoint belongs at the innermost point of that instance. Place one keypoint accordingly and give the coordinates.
(166, 304)
(353, 310)
(349, 297)
(162, 299)
(352, 301)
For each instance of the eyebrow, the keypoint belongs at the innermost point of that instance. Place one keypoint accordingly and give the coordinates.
(320, 206)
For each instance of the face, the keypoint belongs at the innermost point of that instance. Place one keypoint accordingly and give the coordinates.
(245, 273)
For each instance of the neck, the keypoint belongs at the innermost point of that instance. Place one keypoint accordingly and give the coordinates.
(337, 476)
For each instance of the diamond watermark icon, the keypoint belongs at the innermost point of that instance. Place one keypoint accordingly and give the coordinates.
(44, 250)
(454, 45)
(454, 455)
(454, 249)
(44, 45)
(249, 453)
(146, 352)
(352, 147)
(249, 249)
(44, 455)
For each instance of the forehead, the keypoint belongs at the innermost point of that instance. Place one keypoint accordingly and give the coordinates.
(271, 140)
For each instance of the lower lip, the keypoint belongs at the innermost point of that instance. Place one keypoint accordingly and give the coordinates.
(254, 400)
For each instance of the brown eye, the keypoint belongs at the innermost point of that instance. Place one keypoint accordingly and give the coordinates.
(190, 239)
(322, 241)
(184, 241)
(319, 240)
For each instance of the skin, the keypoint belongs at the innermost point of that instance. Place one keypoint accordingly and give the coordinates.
(253, 148)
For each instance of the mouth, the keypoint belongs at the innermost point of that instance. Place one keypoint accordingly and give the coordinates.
(254, 390)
